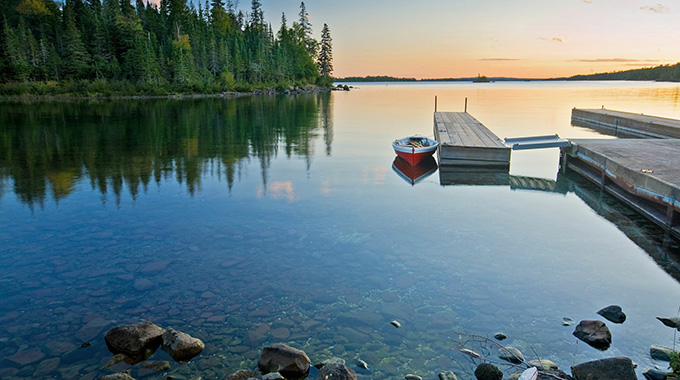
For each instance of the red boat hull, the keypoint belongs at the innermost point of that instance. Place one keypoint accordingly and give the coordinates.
(414, 149)
(414, 158)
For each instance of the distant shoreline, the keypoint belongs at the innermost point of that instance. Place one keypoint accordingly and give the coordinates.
(662, 73)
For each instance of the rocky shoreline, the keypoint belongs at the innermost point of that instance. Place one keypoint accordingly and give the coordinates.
(133, 344)
(226, 94)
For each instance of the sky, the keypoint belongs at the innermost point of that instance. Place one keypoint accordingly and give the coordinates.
(511, 38)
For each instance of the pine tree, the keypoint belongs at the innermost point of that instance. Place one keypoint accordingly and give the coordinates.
(76, 59)
(306, 31)
(325, 60)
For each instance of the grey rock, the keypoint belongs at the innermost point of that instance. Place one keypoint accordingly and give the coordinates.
(447, 375)
(660, 353)
(618, 368)
(500, 336)
(242, 374)
(290, 362)
(336, 371)
(654, 374)
(613, 313)
(137, 341)
(511, 354)
(488, 371)
(181, 346)
(543, 364)
(272, 376)
(670, 322)
(118, 376)
(594, 333)
(412, 377)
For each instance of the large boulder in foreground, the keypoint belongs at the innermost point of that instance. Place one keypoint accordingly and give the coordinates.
(138, 341)
(595, 333)
(180, 346)
(605, 369)
(284, 359)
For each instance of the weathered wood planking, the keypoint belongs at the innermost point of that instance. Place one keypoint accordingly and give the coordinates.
(618, 123)
(642, 173)
(464, 141)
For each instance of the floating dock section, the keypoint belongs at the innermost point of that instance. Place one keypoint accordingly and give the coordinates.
(642, 173)
(625, 123)
(465, 142)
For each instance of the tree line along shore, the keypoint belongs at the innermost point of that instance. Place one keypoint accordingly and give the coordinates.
(115, 48)
(661, 73)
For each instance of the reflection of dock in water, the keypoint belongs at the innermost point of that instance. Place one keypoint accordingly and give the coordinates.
(476, 177)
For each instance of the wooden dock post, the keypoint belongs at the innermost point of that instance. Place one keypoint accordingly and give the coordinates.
(465, 109)
(435, 103)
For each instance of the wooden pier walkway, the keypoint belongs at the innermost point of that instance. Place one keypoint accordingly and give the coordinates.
(633, 124)
(464, 141)
(642, 173)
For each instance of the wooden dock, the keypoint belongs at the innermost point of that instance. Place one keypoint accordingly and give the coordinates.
(464, 141)
(642, 173)
(625, 123)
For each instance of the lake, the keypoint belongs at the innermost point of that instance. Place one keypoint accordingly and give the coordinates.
(253, 220)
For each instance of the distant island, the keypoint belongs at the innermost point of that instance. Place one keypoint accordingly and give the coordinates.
(481, 79)
(661, 73)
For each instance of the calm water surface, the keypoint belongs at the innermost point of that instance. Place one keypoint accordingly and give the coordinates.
(280, 219)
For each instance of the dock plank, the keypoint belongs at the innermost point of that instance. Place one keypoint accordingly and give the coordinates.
(626, 123)
(464, 141)
(640, 172)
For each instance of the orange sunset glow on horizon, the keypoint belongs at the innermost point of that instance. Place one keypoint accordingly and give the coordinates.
(511, 38)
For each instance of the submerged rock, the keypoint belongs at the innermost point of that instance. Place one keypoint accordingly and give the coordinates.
(336, 371)
(654, 374)
(118, 376)
(411, 376)
(447, 375)
(670, 322)
(470, 353)
(488, 371)
(396, 324)
(290, 362)
(500, 336)
(137, 341)
(26, 356)
(660, 353)
(613, 314)
(619, 368)
(153, 367)
(543, 364)
(180, 346)
(595, 333)
(242, 374)
(511, 354)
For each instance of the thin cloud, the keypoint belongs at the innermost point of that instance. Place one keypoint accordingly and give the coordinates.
(500, 59)
(659, 8)
(613, 60)
(493, 38)
(587, 1)
(553, 39)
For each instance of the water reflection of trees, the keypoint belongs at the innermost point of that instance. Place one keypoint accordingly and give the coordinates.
(49, 147)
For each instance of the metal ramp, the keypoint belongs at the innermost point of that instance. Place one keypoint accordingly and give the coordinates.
(536, 142)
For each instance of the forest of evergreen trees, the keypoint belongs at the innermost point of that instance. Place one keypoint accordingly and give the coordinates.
(663, 73)
(112, 47)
